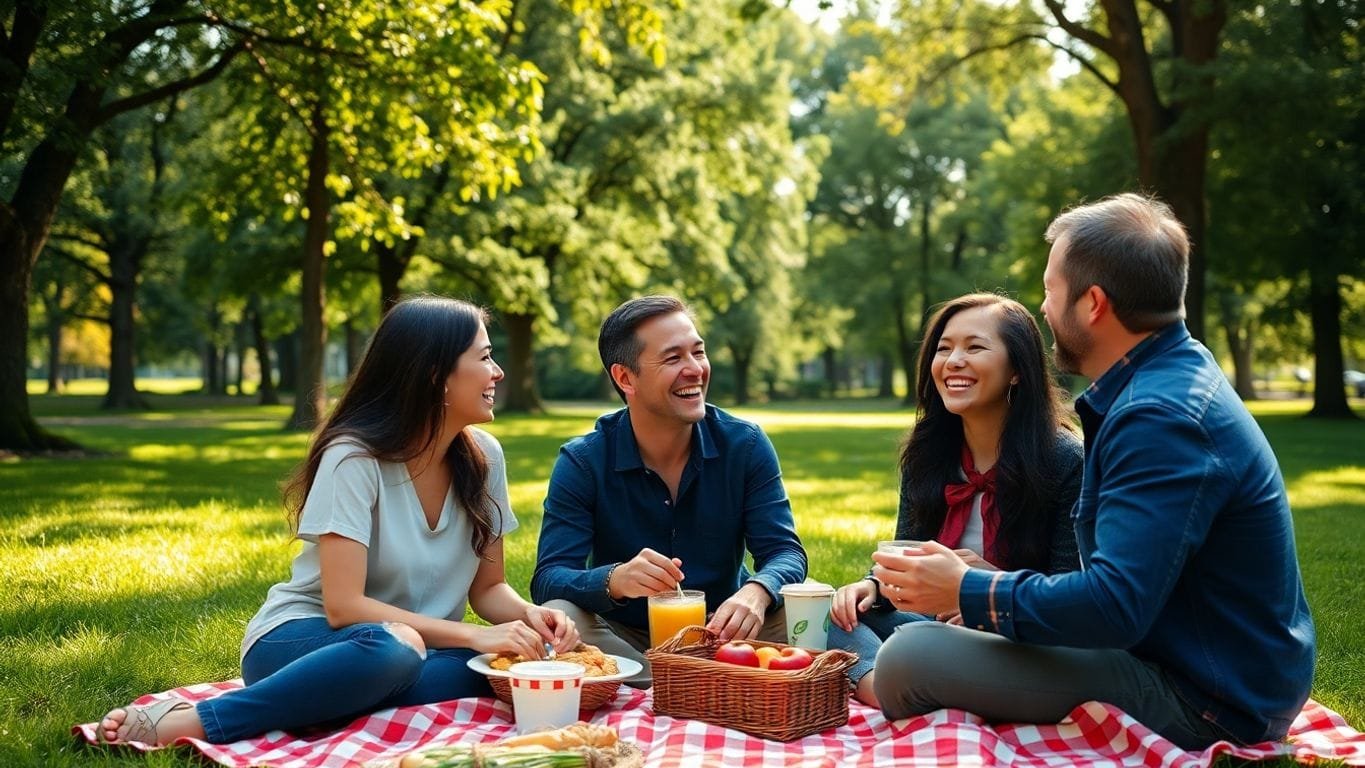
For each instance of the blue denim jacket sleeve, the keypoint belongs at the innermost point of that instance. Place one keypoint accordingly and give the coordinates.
(769, 528)
(562, 568)
(1158, 498)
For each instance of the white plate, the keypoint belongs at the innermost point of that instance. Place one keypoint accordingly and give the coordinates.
(626, 667)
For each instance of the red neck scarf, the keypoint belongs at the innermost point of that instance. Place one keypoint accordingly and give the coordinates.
(959, 497)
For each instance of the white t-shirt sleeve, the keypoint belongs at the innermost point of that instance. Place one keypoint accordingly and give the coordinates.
(343, 497)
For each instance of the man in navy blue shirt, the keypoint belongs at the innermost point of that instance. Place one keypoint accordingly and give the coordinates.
(667, 491)
(1188, 612)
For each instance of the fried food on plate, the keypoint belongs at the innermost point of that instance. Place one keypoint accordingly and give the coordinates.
(590, 657)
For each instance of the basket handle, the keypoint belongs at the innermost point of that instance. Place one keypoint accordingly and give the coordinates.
(684, 637)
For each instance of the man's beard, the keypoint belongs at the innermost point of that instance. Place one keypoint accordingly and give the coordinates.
(1070, 345)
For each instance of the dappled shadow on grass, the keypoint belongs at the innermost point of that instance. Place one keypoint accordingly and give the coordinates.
(50, 617)
(1312, 445)
(129, 526)
(141, 484)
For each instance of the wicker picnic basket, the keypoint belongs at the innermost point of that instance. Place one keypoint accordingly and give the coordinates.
(780, 705)
(593, 695)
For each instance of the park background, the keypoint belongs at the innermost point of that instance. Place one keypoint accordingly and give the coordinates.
(206, 206)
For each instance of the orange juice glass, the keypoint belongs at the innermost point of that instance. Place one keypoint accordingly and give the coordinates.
(671, 611)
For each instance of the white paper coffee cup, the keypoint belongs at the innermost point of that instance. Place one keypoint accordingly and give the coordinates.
(900, 547)
(545, 694)
(807, 607)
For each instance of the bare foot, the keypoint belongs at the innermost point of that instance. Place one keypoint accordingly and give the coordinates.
(158, 723)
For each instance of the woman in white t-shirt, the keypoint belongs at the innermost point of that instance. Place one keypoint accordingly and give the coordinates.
(402, 507)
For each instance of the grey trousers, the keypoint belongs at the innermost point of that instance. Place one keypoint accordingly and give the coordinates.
(631, 643)
(927, 665)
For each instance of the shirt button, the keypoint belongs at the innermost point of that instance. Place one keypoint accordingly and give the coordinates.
(667, 503)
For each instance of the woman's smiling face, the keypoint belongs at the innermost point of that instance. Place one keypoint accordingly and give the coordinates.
(971, 367)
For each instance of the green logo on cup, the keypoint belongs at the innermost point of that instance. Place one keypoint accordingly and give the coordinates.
(799, 628)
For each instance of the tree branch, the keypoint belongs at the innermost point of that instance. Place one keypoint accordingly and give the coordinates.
(1079, 31)
(1168, 9)
(279, 90)
(476, 277)
(16, 50)
(1085, 63)
(82, 263)
(113, 108)
(302, 43)
(70, 238)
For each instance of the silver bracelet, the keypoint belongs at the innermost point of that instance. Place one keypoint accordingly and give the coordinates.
(606, 584)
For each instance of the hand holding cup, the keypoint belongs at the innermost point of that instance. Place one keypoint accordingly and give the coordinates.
(924, 580)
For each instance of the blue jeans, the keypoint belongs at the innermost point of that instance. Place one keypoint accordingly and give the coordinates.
(304, 673)
(867, 638)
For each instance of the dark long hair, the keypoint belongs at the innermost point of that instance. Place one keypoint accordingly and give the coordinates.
(394, 405)
(1027, 476)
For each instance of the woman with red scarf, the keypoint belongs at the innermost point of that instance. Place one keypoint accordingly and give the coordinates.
(991, 468)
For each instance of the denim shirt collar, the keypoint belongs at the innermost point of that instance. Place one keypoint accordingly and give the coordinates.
(1102, 392)
(628, 457)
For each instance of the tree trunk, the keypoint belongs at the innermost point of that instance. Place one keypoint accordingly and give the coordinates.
(886, 387)
(241, 343)
(1238, 331)
(1329, 394)
(905, 349)
(209, 364)
(287, 350)
(55, 384)
(124, 260)
(959, 248)
(925, 249)
(23, 230)
(1172, 152)
(830, 360)
(55, 319)
(391, 269)
(743, 361)
(355, 346)
(1181, 184)
(266, 390)
(522, 394)
(394, 259)
(310, 396)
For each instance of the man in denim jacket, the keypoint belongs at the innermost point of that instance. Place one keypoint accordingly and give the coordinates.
(1189, 610)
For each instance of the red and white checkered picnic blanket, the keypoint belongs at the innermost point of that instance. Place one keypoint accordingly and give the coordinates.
(1094, 735)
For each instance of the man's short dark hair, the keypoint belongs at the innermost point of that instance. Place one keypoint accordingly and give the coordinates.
(617, 342)
(1135, 249)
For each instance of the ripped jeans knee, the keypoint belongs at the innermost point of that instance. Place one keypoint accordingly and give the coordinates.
(407, 636)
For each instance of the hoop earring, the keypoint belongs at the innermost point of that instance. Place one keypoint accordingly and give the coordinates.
(1009, 395)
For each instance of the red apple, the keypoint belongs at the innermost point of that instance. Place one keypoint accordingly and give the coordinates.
(739, 653)
(791, 657)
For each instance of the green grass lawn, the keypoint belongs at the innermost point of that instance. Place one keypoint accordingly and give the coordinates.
(136, 570)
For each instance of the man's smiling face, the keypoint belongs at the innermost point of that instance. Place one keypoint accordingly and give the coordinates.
(673, 369)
